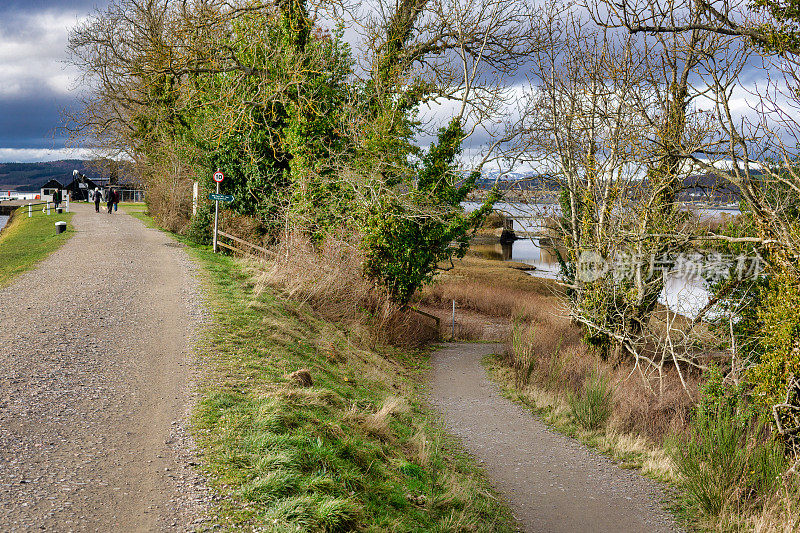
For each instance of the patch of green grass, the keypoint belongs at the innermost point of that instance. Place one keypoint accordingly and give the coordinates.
(727, 462)
(26, 241)
(357, 451)
(592, 409)
(138, 210)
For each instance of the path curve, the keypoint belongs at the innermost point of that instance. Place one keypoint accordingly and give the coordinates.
(96, 365)
(551, 482)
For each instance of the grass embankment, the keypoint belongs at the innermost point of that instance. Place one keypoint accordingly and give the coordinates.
(138, 210)
(26, 241)
(354, 451)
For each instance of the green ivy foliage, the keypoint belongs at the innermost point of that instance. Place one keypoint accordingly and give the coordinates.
(781, 341)
(277, 107)
(272, 134)
(404, 241)
(783, 32)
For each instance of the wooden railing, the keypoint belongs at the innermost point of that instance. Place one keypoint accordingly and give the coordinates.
(248, 250)
(429, 315)
(249, 247)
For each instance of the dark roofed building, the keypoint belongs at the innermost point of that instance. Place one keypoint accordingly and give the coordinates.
(80, 186)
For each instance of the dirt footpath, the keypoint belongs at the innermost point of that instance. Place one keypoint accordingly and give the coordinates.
(96, 365)
(551, 482)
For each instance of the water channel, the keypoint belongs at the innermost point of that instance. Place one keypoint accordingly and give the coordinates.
(682, 294)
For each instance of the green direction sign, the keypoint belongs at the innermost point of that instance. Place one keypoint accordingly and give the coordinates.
(221, 197)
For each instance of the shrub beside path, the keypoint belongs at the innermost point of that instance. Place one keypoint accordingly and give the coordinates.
(96, 368)
(551, 482)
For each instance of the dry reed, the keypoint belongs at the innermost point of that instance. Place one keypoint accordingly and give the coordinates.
(551, 355)
(328, 277)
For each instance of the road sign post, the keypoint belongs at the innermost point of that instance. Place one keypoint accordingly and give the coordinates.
(220, 197)
(218, 177)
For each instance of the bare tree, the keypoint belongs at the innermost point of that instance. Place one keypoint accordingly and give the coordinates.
(612, 117)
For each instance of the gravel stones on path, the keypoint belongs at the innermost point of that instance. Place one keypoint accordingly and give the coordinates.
(551, 482)
(97, 366)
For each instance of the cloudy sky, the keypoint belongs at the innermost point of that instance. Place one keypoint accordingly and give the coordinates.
(36, 85)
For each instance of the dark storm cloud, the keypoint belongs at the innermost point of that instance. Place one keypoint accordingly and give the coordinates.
(33, 121)
(36, 85)
(40, 5)
(17, 17)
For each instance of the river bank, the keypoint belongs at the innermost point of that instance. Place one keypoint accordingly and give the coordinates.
(25, 241)
(6, 211)
(684, 292)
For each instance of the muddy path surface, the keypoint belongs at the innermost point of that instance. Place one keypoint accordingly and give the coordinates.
(96, 366)
(551, 482)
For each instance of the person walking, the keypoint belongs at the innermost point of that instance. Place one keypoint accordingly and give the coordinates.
(97, 198)
(56, 198)
(117, 195)
(110, 200)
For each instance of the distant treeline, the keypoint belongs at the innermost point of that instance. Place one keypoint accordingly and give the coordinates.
(705, 187)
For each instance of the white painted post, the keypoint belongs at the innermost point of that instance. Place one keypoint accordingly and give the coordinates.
(195, 194)
(453, 336)
(30, 214)
(216, 219)
(67, 202)
(48, 208)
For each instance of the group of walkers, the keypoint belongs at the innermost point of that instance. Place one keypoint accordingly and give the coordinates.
(111, 197)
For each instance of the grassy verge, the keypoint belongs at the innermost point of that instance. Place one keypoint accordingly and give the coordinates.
(26, 241)
(629, 450)
(138, 210)
(304, 428)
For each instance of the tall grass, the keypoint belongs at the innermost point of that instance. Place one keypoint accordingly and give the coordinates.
(549, 354)
(780, 512)
(329, 278)
(728, 462)
(489, 296)
(593, 408)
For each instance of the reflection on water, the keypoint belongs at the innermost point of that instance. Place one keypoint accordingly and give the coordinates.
(3, 220)
(528, 251)
(685, 296)
(682, 295)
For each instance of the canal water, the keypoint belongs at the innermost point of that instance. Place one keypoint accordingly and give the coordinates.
(682, 294)
(3, 221)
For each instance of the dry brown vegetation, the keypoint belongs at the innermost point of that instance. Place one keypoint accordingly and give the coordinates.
(488, 295)
(550, 355)
(330, 280)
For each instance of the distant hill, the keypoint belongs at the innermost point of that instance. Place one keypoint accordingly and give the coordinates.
(31, 176)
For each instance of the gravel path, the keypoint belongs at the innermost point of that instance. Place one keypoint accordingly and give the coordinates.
(552, 483)
(96, 367)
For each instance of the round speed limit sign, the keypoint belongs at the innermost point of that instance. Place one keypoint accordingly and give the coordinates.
(219, 176)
